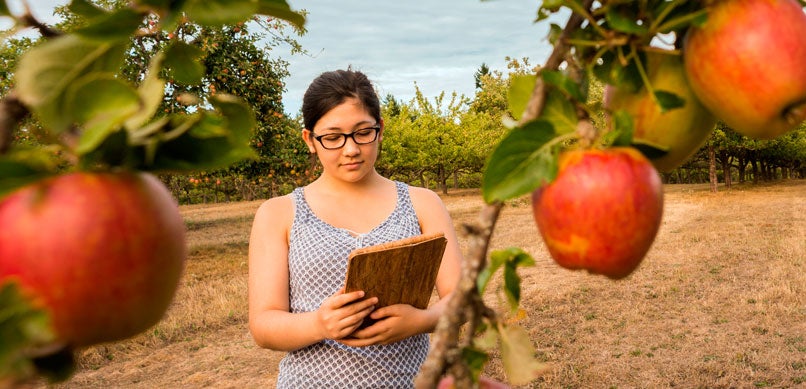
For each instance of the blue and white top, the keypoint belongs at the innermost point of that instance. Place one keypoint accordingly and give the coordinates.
(317, 264)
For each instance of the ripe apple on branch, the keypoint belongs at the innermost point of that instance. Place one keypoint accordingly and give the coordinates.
(92, 244)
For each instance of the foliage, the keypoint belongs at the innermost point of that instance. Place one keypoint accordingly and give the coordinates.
(608, 43)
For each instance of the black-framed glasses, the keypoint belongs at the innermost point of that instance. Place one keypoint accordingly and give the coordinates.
(338, 140)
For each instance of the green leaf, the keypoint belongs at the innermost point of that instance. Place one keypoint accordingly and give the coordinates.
(512, 258)
(86, 9)
(520, 162)
(281, 9)
(44, 73)
(497, 259)
(171, 11)
(619, 20)
(555, 31)
(4, 11)
(23, 327)
(668, 100)
(519, 93)
(560, 112)
(112, 27)
(475, 360)
(649, 149)
(518, 355)
(183, 62)
(218, 12)
(487, 340)
(114, 150)
(17, 173)
(564, 84)
(165, 5)
(623, 129)
(512, 286)
(240, 120)
(211, 141)
(102, 102)
(151, 92)
(612, 72)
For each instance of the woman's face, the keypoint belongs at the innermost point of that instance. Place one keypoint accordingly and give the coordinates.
(352, 161)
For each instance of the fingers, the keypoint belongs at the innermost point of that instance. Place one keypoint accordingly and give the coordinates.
(342, 313)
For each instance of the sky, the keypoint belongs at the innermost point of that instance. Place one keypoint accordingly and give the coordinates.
(439, 45)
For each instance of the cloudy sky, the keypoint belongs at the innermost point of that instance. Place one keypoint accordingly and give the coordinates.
(438, 45)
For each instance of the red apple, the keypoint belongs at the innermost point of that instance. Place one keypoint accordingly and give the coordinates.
(682, 131)
(747, 64)
(102, 253)
(602, 211)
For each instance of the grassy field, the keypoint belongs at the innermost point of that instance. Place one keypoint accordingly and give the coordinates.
(719, 301)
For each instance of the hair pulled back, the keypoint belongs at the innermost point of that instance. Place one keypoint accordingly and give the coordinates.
(331, 88)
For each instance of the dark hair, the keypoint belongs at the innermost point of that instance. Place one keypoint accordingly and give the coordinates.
(332, 88)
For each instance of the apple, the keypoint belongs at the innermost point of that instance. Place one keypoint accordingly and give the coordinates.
(602, 211)
(680, 132)
(102, 253)
(747, 64)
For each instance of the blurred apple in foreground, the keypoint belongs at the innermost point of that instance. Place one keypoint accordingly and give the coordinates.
(747, 64)
(602, 211)
(102, 253)
(681, 131)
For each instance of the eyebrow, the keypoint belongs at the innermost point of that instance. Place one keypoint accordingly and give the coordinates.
(360, 124)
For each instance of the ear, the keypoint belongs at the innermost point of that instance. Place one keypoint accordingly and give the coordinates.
(380, 133)
(308, 138)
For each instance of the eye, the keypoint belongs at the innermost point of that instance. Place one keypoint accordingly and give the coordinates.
(331, 137)
(365, 131)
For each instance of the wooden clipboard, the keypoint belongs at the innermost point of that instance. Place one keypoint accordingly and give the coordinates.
(398, 272)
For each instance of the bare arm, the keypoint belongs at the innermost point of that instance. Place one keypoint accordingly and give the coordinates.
(270, 321)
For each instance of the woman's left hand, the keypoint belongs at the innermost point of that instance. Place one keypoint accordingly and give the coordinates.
(394, 323)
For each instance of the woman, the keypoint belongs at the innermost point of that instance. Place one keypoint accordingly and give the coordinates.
(300, 243)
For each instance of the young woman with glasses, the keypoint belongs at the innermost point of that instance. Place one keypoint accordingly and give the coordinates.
(300, 243)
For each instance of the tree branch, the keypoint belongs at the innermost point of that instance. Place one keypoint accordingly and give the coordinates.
(465, 303)
(535, 105)
(29, 20)
(12, 112)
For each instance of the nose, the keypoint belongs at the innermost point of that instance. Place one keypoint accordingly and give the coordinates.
(350, 147)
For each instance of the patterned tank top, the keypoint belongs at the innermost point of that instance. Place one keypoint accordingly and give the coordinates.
(317, 262)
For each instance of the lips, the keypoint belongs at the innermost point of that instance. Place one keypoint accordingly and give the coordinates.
(352, 165)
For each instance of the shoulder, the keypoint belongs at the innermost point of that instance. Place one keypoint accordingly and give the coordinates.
(276, 210)
(425, 200)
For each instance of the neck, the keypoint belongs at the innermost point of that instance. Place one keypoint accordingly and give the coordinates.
(330, 184)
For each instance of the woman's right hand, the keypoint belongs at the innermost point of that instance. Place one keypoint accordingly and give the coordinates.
(342, 313)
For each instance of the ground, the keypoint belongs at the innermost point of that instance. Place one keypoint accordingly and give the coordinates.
(718, 302)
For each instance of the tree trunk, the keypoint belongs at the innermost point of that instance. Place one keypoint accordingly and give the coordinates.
(742, 168)
(726, 160)
(712, 168)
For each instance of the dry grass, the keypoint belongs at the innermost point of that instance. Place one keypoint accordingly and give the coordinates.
(718, 302)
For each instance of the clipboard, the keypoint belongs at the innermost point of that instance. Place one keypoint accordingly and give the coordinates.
(398, 272)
